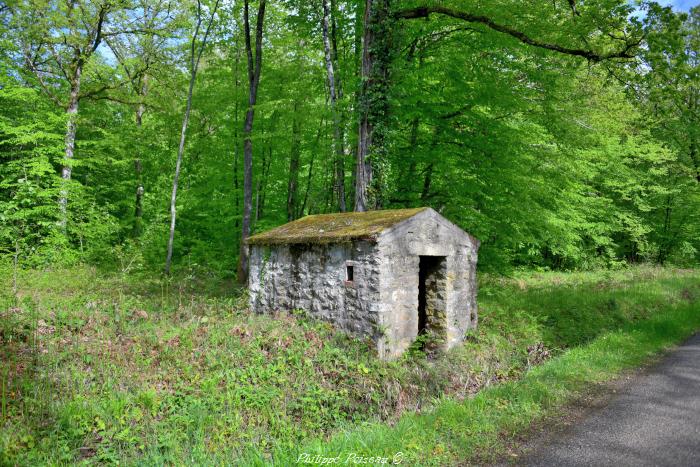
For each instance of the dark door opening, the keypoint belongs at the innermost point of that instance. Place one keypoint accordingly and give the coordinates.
(431, 298)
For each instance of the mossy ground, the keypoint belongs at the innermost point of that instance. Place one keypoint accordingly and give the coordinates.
(102, 368)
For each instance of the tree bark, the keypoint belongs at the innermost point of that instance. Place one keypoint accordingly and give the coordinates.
(363, 169)
(309, 177)
(695, 159)
(254, 68)
(294, 162)
(339, 187)
(138, 167)
(138, 205)
(373, 102)
(71, 127)
(357, 94)
(334, 47)
(178, 166)
(141, 109)
(664, 244)
(195, 56)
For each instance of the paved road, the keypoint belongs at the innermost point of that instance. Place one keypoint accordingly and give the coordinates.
(655, 420)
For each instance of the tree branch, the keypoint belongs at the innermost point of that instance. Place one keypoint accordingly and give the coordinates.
(258, 39)
(153, 32)
(206, 33)
(572, 5)
(248, 48)
(42, 83)
(100, 90)
(100, 23)
(424, 12)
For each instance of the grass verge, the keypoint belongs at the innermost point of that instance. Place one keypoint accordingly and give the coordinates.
(99, 369)
(476, 430)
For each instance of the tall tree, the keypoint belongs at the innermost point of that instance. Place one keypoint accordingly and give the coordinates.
(196, 51)
(672, 86)
(138, 55)
(254, 69)
(59, 40)
(620, 41)
(294, 160)
(339, 187)
(373, 101)
(670, 92)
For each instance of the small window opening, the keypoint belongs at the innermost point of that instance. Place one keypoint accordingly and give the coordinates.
(349, 272)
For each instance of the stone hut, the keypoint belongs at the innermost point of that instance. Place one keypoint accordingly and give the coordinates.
(390, 276)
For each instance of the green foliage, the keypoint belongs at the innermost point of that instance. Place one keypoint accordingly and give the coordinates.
(28, 148)
(550, 161)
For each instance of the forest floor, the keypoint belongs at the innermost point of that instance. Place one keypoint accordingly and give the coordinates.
(99, 368)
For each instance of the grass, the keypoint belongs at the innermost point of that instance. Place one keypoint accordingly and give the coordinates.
(479, 429)
(101, 369)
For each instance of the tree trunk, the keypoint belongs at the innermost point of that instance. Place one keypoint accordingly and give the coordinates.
(71, 127)
(339, 187)
(141, 109)
(138, 206)
(178, 166)
(664, 244)
(334, 47)
(236, 151)
(311, 171)
(357, 70)
(254, 69)
(195, 56)
(695, 159)
(363, 167)
(373, 103)
(425, 194)
(294, 162)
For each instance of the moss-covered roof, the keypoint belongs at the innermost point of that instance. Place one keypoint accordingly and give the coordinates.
(333, 228)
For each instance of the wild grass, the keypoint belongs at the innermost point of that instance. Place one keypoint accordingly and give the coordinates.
(478, 430)
(101, 369)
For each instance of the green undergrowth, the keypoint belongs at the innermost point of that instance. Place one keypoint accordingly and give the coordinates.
(100, 369)
(478, 430)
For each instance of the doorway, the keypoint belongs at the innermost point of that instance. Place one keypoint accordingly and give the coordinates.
(432, 316)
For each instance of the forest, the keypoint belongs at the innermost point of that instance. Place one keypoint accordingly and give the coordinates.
(156, 135)
(142, 142)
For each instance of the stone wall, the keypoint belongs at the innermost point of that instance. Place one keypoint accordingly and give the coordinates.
(433, 274)
(312, 278)
(426, 234)
(382, 300)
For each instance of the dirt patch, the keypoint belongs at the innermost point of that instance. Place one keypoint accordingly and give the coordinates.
(688, 295)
